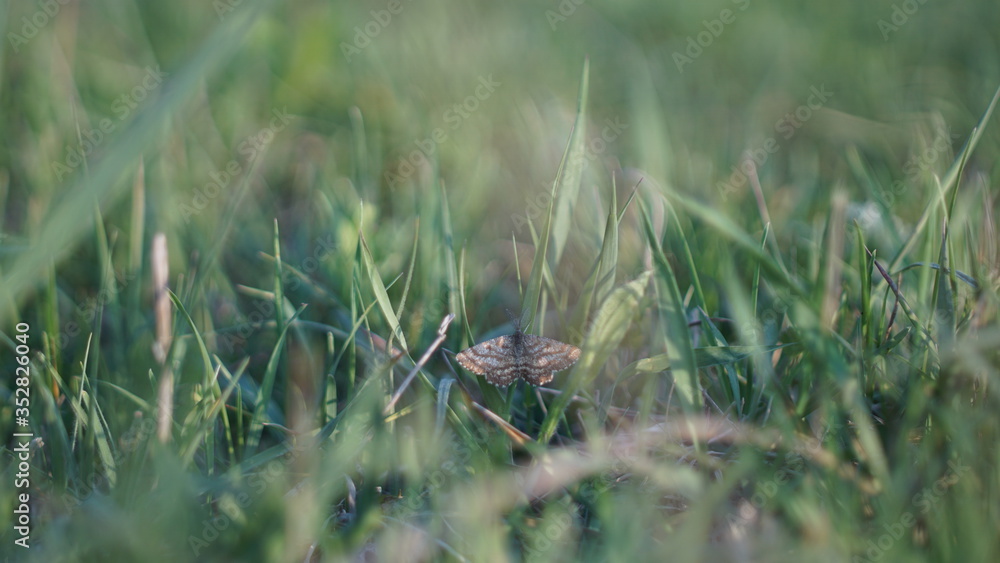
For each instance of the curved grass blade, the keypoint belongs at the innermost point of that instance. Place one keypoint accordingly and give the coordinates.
(743, 241)
(947, 182)
(606, 333)
(602, 277)
(443, 392)
(217, 405)
(455, 305)
(409, 273)
(279, 292)
(206, 359)
(266, 387)
(384, 304)
(680, 349)
(209, 381)
(570, 172)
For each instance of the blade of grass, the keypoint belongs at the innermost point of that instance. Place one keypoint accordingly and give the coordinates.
(90, 428)
(684, 250)
(208, 371)
(943, 295)
(947, 182)
(62, 458)
(209, 382)
(385, 305)
(455, 305)
(830, 281)
(571, 170)
(568, 177)
(606, 332)
(409, 273)
(207, 422)
(744, 242)
(443, 393)
(279, 292)
(263, 399)
(755, 289)
(678, 338)
(949, 283)
(51, 329)
(865, 271)
(601, 280)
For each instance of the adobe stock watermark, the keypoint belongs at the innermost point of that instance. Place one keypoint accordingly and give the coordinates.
(923, 502)
(546, 537)
(250, 148)
(453, 117)
(232, 507)
(786, 127)
(31, 25)
(122, 107)
(697, 44)
(554, 529)
(899, 17)
(435, 309)
(447, 472)
(538, 205)
(263, 309)
(768, 318)
(88, 309)
(750, 509)
(913, 168)
(138, 433)
(566, 8)
(366, 33)
(224, 7)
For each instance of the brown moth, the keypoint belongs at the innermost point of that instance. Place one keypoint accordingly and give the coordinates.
(505, 359)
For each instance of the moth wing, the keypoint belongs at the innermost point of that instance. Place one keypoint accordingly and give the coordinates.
(547, 356)
(494, 359)
(546, 353)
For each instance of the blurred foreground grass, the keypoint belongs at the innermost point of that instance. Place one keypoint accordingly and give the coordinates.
(773, 236)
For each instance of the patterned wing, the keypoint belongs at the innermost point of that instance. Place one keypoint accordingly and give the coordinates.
(545, 356)
(496, 359)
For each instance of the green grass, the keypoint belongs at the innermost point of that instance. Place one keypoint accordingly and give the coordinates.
(780, 261)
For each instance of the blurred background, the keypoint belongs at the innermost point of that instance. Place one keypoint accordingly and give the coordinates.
(361, 88)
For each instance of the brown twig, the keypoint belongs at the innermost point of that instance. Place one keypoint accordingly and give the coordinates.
(442, 333)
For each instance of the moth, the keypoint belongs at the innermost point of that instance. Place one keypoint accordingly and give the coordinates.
(518, 355)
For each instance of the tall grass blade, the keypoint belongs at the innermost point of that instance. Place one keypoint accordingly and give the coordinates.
(263, 400)
(947, 182)
(381, 296)
(571, 170)
(568, 178)
(602, 277)
(606, 332)
(677, 335)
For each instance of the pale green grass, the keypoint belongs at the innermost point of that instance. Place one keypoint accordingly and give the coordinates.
(797, 369)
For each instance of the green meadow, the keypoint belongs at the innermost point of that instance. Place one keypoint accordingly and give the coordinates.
(242, 241)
